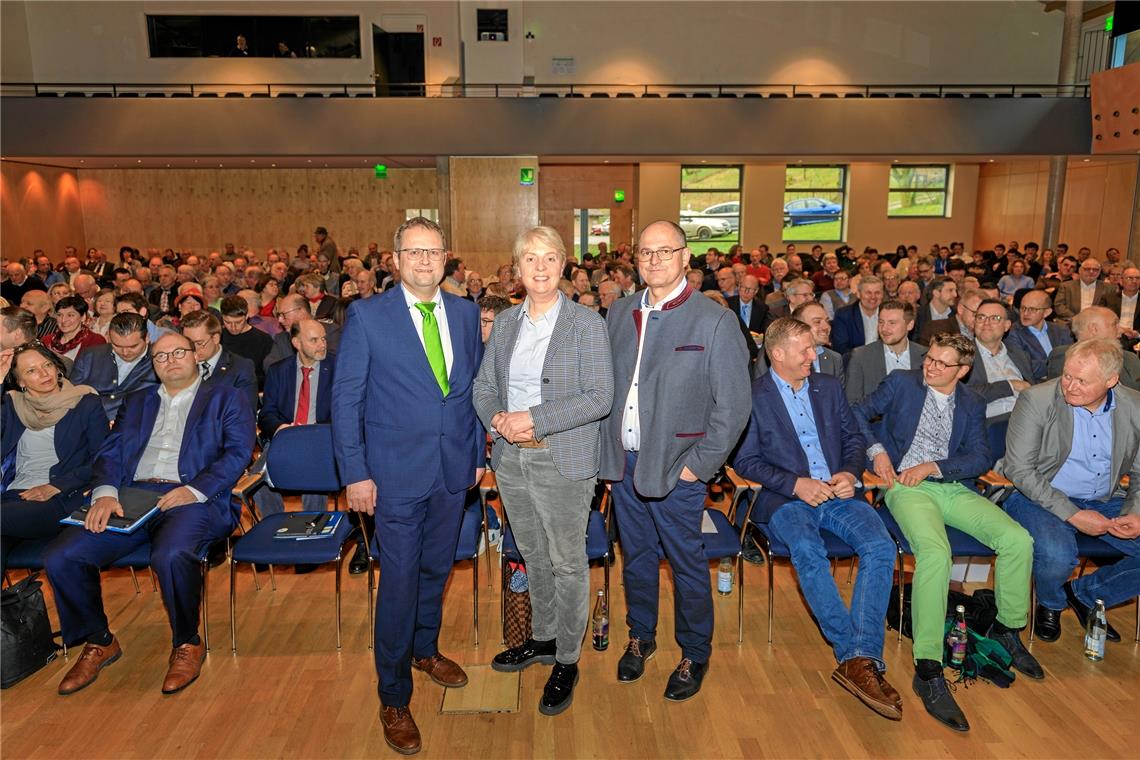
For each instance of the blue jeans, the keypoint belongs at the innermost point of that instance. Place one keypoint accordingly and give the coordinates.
(1055, 555)
(858, 632)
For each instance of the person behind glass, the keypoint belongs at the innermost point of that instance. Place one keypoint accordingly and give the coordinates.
(241, 48)
(120, 367)
(804, 447)
(297, 393)
(1070, 443)
(51, 431)
(681, 401)
(928, 448)
(71, 334)
(545, 382)
(190, 442)
(409, 445)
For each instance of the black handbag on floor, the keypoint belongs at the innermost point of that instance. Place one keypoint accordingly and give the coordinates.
(26, 644)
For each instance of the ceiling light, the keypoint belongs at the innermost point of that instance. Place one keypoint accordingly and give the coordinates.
(138, 161)
(1084, 160)
(274, 165)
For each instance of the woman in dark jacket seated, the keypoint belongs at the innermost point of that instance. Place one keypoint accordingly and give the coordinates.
(50, 432)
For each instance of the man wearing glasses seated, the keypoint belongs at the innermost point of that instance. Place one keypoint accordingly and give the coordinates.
(1034, 335)
(293, 308)
(928, 448)
(189, 441)
(1002, 371)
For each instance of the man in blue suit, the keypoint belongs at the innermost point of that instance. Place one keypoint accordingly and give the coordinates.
(190, 442)
(119, 367)
(409, 445)
(1035, 336)
(804, 447)
(297, 392)
(928, 448)
(858, 324)
(217, 365)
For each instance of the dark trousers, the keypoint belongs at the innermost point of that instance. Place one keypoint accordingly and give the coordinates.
(177, 539)
(415, 541)
(671, 525)
(29, 520)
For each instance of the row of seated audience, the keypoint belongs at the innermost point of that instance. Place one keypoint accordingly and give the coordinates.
(900, 367)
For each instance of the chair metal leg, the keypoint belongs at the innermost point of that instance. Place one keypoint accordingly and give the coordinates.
(339, 566)
(206, 603)
(233, 604)
(1081, 572)
(771, 595)
(486, 543)
(1137, 636)
(256, 582)
(135, 580)
(504, 584)
(475, 594)
(740, 599)
(851, 570)
(272, 579)
(153, 580)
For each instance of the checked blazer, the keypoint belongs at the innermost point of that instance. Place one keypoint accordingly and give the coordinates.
(577, 386)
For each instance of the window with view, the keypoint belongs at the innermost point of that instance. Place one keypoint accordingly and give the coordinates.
(918, 190)
(710, 206)
(815, 203)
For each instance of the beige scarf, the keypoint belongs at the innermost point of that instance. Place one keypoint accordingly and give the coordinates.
(41, 412)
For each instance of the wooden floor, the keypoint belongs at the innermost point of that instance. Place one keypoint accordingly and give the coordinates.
(290, 694)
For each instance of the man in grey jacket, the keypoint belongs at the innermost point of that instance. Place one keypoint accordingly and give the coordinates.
(681, 401)
(1070, 443)
(871, 363)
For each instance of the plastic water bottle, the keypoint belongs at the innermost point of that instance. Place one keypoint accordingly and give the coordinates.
(1096, 632)
(601, 623)
(958, 638)
(724, 577)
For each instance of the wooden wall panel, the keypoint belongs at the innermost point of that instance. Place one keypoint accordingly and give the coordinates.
(565, 187)
(202, 209)
(489, 208)
(40, 209)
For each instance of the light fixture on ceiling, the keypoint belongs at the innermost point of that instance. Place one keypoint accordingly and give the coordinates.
(273, 165)
(1084, 160)
(138, 160)
(252, 161)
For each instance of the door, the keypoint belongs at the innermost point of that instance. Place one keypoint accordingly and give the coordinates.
(398, 58)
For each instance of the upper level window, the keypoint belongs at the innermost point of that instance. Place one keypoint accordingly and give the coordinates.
(918, 190)
(254, 36)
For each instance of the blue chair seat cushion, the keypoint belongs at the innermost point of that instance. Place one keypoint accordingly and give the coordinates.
(469, 532)
(28, 555)
(725, 542)
(259, 545)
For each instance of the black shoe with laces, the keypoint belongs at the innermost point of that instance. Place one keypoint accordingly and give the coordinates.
(939, 702)
(558, 693)
(631, 666)
(1083, 611)
(359, 562)
(686, 680)
(751, 551)
(525, 655)
(1047, 625)
(1023, 661)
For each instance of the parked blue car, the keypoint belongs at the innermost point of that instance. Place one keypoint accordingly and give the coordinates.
(810, 211)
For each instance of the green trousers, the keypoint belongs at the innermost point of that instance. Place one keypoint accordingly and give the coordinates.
(923, 512)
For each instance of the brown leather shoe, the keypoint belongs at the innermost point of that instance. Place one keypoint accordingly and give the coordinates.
(441, 670)
(860, 676)
(889, 691)
(185, 667)
(86, 669)
(400, 731)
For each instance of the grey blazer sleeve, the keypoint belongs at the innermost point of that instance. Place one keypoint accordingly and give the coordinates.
(855, 371)
(1023, 452)
(731, 397)
(597, 375)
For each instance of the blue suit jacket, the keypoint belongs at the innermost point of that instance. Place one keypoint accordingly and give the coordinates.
(216, 445)
(391, 423)
(1020, 337)
(95, 366)
(278, 403)
(236, 372)
(77, 437)
(770, 453)
(899, 399)
(847, 329)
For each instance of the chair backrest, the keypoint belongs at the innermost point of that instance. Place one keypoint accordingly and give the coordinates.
(995, 433)
(300, 458)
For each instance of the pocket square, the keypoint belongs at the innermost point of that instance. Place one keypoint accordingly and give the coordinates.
(689, 348)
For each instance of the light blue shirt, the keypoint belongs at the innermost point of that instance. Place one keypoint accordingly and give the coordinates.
(1087, 473)
(798, 404)
(815, 361)
(524, 384)
(1042, 335)
(746, 312)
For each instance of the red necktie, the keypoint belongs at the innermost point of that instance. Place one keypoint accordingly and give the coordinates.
(302, 417)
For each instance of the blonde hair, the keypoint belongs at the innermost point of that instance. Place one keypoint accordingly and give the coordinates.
(541, 235)
(1108, 354)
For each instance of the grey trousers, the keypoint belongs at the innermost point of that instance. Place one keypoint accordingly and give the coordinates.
(548, 516)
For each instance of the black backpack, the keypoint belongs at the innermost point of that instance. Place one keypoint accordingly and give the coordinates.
(981, 609)
(27, 643)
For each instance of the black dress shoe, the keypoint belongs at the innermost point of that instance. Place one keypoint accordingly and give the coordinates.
(359, 562)
(631, 666)
(939, 702)
(1023, 661)
(525, 655)
(751, 551)
(686, 680)
(559, 690)
(1083, 612)
(1047, 625)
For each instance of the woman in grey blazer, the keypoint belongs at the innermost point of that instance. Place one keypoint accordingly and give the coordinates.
(545, 382)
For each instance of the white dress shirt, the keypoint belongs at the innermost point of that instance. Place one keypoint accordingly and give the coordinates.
(1127, 310)
(212, 362)
(897, 361)
(1000, 367)
(870, 327)
(440, 319)
(1088, 293)
(631, 416)
(314, 382)
(35, 456)
(524, 383)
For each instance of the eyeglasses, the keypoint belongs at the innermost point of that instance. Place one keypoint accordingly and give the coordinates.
(938, 365)
(992, 318)
(163, 356)
(419, 254)
(489, 321)
(663, 254)
(202, 343)
(289, 311)
(1034, 308)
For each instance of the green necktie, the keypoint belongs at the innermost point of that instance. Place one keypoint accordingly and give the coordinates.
(434, 346)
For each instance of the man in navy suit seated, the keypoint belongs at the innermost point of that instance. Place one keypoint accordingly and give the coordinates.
(804, 447)
(297, 392)
(858, 324)
(1034, 335)
(119, 367)
(217, 365)
(189, 441)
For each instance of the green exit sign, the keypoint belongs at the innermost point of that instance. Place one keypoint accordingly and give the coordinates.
(619, 196)
(1108, 23)
(526, 176)
(381, 171)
